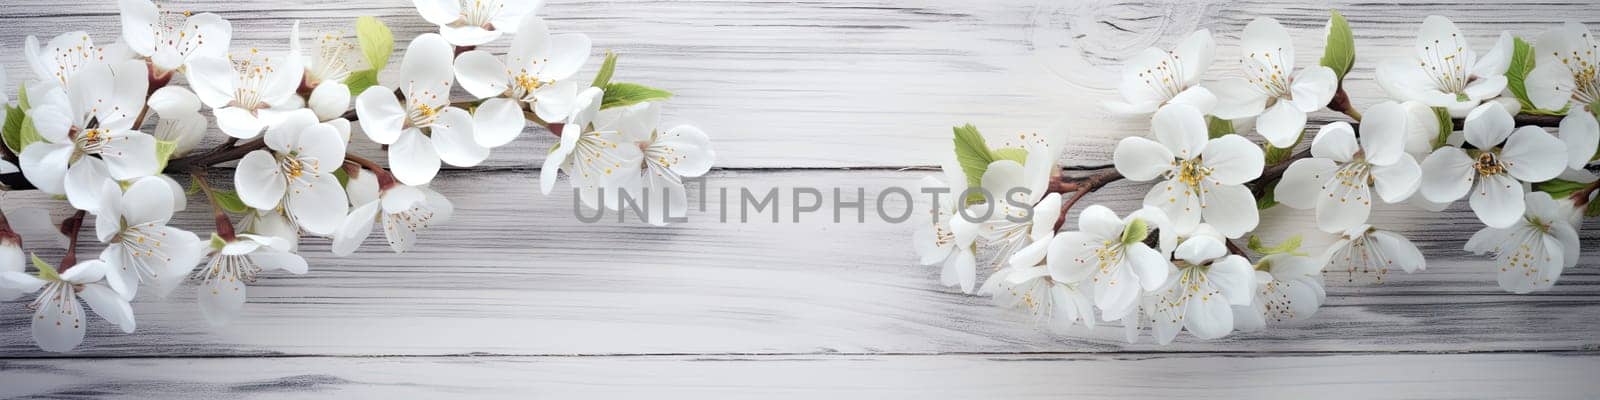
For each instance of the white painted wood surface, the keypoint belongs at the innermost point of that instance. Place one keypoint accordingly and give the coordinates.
(517, 296)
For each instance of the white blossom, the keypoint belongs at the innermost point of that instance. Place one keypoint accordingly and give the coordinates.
(1502, 159)
(1531, 253)
(1273, 92)
(1203, 179)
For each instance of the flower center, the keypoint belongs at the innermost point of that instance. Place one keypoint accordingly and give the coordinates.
(333, 59)
(141, 243)
(1584, 73)
(227, 268)
(59, 297)
(1191, 171)
(480, 12)
(295, 167)
(1489, 164)
(1166, 77)
(69, 60)
(173, 30)
(91, 141)
(526, 84)
(1361, 255)
(1350, 181)
(254, 68)
(1265, 71)
(1446, 64)
(424, 109)
(1106, 258)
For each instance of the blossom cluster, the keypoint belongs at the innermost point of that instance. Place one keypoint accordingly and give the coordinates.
(115, 131)
(1174, 264)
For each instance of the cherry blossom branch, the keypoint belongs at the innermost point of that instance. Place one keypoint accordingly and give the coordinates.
(70, 227)
(1080, 187)
(225, 152)
(385, 178)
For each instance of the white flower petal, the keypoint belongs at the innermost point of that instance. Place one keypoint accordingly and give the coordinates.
(238, 122)
(1581, 134)
(1485, 88)
(439, 12)
(1179, 201)
(1071, 256)
(1399, 251)
(1141, 159)
(108, 305)
(413, 158)
(1182, 129)
(1447, 174)
(1488, 125)
(317, 203)
(497, 122)
(1229, 208)
(692, 148)
(1264, 36)
(1237, 98)
(1281, 124)
(139, 19)
(260, 182)
(1549, 85)
(213, 80)
(130, 154)
(468, 35)
(454, 139)
(83, 183)
(1398, 181)
(45, 165)
(329, 100)
(1208, 316)
(1528, 155)
(482, 74)
(568, 52)
(1149, 265)
(1335, 141)
(1313, 88)
(1497, 200)
(1233, 159)
(381, 115)
(173, 101)
(1302, 183)
(1383, 133)
(428, 65)
(58, 326)
(220, 299)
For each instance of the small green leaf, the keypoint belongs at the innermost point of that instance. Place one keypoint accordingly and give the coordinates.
(194, 186)
(972, 152)
(12, 132)
(377, 43)
(46, 271)
(1289, 246)
(164, 150)
(1522, 61)
(1559, 188)
(359, 81)
(342, 176)
(1218, 126)
(1446, 126)
(626, 94)
(229, 200)
(27, 135)
(607, 68)
(1018, 154)
(22, 98)
(1135, 232)
(1340, 53)
(216, 242)
(1592, 210)
(1267, 201)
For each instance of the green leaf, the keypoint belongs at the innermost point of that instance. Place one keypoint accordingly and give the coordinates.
(607, 68)
(25, 136)
(46, 271)
(1446, 126)
(342, 176)
(12, 132)
(1522, 60)
(972, 152)
(1340, 53)
(626, 94)
(22, 98)
(164, 150)
(1267, 201)
(377, 43)
(1559, 188)
(359, 81)
(1276, 155)
(216, 242)
(229, 200)
(1289, 246)
(1592, 210)
(1135, 232)
(1218, 126)
(194, 186)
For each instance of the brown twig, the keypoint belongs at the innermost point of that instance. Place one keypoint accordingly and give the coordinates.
(70, 227)
(1080, 187)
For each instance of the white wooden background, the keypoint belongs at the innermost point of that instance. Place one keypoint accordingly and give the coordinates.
(516, 297)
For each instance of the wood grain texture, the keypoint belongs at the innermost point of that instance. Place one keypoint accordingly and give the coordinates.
(854, 83)
(1479, 376)
(516, 274)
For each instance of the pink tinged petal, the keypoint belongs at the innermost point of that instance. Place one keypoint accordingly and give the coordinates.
(317, 203)
(1230, 208)
(1237, 98)
(238, 123)
(139, 19)
(482, 74)
(83, 183)
(259, 180)
(413, 158)
(455, 141)
(439, 12)
(45, 165)
(108, 305)
(568, 52)
(1313, 87)
(1497, 200)
(1281, 124)
(497, 122)
(220, 299)
(212, 79)
(1303, 182)
(1399, 252)
(58, 326)
(380, 114)
(1071, 256)
(1581, 135)
(1383, 133)
(1335, 141)
(354, 229)
(1528, 155)
(427, 64)
(469, 35)
(1398, 181)
(130, 154)
(1182, 129)
(1488, 125)
(1549, 85)
(1141, 159)
(1149, 265)
(329, 100)
(1233, 159)
(174, 101)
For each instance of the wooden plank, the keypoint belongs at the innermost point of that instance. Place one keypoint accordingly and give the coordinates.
(516, 274)
(866, 82)
(1381, 376)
